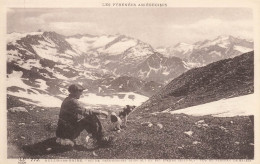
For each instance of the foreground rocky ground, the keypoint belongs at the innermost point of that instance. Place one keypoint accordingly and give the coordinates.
(161, 136)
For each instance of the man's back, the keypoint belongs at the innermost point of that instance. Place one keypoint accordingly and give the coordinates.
(68, 109)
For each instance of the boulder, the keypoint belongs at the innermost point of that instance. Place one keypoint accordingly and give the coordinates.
(160, 125)
(51, 126)
(149, 124)
(65, 142)
(189, 133)
(17, 109)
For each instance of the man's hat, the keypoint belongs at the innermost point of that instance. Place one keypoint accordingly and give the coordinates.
(75, 88)
(113, 113)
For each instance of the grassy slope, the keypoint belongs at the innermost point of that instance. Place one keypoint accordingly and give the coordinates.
(234, 141)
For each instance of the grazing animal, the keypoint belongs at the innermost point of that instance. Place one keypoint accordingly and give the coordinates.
(116, 121)
(124, 114)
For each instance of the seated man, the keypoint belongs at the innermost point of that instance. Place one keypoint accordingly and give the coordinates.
(70, 125)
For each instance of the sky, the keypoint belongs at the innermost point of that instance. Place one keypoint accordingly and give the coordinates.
(156, 26)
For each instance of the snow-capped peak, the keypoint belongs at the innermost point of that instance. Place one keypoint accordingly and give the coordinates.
(222, 41)
(13, 37)
(182, 44)
(183, 47)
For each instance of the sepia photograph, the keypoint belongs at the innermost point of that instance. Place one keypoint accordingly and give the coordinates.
(130, 81)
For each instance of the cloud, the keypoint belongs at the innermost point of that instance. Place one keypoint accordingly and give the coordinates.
(165, 31)
(49, 22)
(34, 20)
(215, 27)
(70, 28)
(204, 29)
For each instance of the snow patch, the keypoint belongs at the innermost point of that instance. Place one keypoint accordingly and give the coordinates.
(51, 54)
(13, 37)
(215, 53)
(36, 98)
(242, 49)
(85, 43)
(44, 100)
(184, 47)
(42, 83)
(14, 79)
(120, 47)
(114, 99)
(238, 106)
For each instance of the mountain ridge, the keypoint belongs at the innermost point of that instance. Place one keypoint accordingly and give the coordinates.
(222, 79)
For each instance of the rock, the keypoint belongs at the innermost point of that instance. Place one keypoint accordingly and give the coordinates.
(64, 142)
(201, 121)
(32, 108)
(118, 131)
(237, 143)
(42, 109)
(51, 126)
(17, 109)
(167, 110)
(58, 140)
(150, 125)
(251, 144)
(145, 123)
(22, 137)
(87, 138)
(146, 109)
(21, 124)
(223, 128)
(95, 154)
(189, 133)
(195, 142)
(160, 125)
(49, 149)
(231, 122)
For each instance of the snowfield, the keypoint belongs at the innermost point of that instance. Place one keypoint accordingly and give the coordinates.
(242, 49)
(34, 97)
(45, 100)
(120, 47)
(13, 37)
(92, 99)
(86, 43)
(184, 47)
(238, 106)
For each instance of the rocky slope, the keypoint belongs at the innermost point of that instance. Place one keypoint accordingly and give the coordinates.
(222, 79)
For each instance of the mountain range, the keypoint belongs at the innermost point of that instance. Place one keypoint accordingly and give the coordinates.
(48, 62)
(204, 52)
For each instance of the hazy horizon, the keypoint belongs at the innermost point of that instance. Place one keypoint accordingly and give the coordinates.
(156, 26)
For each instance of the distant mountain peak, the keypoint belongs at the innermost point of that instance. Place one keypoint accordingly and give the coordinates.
(81, 35)
(182, 44)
